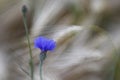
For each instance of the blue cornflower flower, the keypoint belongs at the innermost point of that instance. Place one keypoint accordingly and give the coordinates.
(44, 44)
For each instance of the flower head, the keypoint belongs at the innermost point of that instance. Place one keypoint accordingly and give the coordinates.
(44, 44)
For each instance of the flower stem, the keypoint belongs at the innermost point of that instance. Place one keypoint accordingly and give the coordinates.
(42, 58)
(24, 11)
(41, 63)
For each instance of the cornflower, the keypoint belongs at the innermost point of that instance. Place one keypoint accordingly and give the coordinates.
(44, 44)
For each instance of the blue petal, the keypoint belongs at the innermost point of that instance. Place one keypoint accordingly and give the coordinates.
(51, 45)
(44, 44)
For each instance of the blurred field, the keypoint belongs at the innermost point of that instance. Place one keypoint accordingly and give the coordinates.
(86, 32)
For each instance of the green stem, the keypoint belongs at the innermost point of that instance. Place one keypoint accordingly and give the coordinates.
(41, 63)
(42, 58)
(30, 50)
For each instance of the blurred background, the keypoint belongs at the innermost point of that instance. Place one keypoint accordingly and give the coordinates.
(86, 32)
